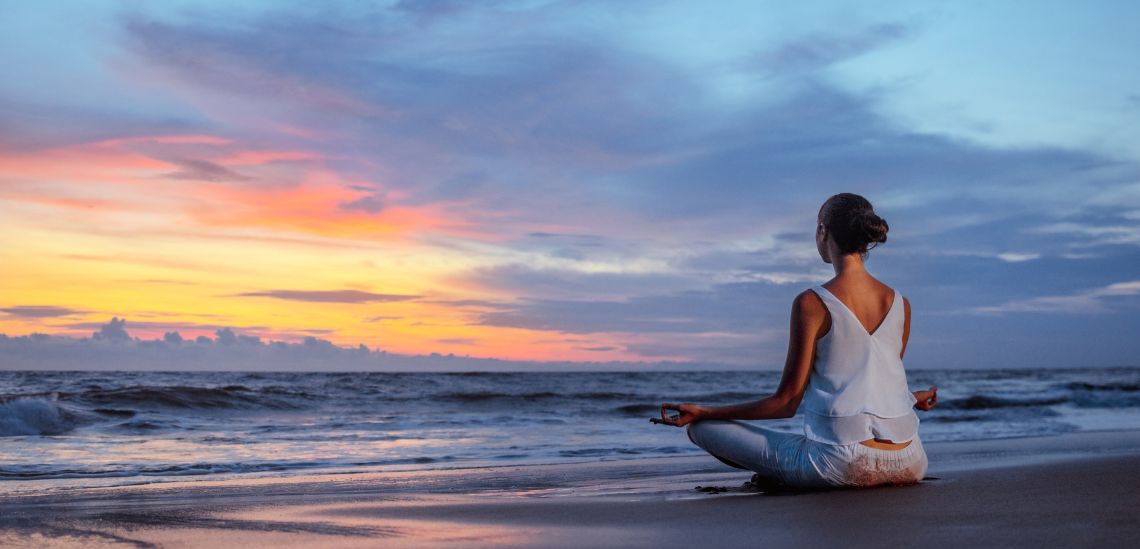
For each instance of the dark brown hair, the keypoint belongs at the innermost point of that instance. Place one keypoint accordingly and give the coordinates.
(852, 222)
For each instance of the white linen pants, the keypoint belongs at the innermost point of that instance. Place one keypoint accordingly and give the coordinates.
(794, 460)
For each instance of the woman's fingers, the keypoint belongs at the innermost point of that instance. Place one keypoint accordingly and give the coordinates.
(932, 400)
(680, 420)
(927, 399)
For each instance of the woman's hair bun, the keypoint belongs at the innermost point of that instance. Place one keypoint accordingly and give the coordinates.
(874, 228)
(853, 223)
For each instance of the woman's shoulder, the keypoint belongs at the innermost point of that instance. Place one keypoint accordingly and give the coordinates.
(808, 298)
(810, 315)
(809, 304)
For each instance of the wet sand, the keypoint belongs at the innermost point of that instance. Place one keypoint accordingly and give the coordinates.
(1078, 489)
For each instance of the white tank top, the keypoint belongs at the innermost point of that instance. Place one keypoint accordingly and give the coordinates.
(858, 388)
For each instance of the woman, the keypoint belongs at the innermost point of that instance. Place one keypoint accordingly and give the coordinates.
(844, 369)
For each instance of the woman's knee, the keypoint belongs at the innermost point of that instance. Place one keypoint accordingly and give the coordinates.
(699, 431)
(689, 431)
(698, 434)
(696, 430)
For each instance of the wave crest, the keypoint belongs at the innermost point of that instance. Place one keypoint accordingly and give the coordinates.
(180, 396)
(982, 402)
(35, 416)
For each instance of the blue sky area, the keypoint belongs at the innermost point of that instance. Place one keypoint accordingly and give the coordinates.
(635, 179)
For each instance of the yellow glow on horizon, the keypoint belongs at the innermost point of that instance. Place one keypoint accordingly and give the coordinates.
(103, 230)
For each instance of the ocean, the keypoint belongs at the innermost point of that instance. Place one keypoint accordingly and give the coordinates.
(126, 427)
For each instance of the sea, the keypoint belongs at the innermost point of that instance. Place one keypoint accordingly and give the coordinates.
(98, 428)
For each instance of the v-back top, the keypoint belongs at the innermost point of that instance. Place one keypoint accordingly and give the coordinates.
(858, 388)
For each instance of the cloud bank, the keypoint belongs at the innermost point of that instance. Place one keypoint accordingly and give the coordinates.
(112, 348)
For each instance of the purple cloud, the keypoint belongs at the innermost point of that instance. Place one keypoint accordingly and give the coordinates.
(329, 296)
(369, 204)
(203, 170)
(39, 311)
(457, 341)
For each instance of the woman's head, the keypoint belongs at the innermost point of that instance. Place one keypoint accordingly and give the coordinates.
(851, 223)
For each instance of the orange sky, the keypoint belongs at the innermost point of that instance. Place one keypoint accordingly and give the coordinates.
(109, 229)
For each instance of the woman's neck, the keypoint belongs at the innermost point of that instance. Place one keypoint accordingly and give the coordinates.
(849, 264)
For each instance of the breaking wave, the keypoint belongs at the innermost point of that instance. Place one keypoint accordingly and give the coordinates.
(35, 416)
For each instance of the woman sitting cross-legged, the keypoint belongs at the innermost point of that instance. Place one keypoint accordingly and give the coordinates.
(844, 370)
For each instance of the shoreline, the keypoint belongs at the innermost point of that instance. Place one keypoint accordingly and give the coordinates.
(1048, 489)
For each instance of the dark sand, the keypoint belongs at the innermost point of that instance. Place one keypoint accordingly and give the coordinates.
(1075, 490)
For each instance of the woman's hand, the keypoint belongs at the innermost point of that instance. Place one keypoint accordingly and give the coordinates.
(926, 399)
(688, 414)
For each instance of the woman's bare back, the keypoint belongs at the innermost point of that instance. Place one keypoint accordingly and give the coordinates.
(866, 297)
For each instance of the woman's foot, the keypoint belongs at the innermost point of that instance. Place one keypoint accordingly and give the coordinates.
(765, 482)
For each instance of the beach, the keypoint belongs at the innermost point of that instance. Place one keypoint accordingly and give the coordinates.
(433, 274)
(1075, 489)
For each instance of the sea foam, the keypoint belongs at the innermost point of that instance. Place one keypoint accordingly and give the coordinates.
(34, 416)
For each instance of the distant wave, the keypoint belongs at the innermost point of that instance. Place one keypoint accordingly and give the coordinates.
(115, 413)
(639, 409)
(585, 396)
(1122, 387)
(1079, 394)
(981, 402)
(180, 396)
(473, 396)
(35, 416)
(48, 414)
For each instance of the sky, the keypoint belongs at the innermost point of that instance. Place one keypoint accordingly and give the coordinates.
(623, 182)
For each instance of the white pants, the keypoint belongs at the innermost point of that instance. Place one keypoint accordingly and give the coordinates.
(794, 460)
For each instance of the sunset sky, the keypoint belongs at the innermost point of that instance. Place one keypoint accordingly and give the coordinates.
(587, 181)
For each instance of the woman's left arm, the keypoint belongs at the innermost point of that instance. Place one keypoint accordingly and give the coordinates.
(808, 317)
